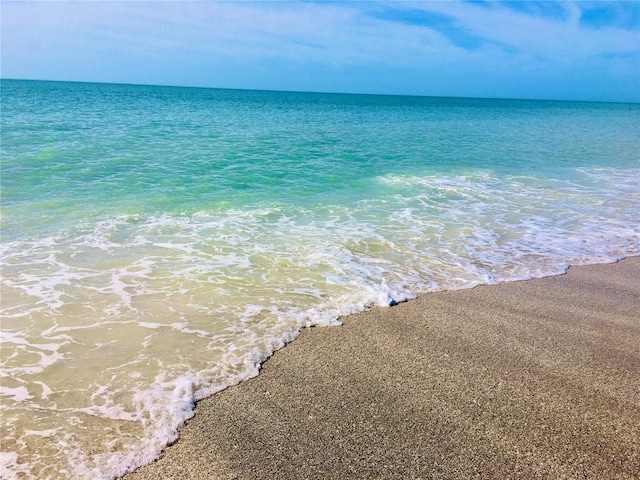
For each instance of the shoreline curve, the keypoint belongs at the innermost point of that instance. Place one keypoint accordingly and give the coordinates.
(524, 379)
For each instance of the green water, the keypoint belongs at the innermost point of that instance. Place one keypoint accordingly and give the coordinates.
(158, 243)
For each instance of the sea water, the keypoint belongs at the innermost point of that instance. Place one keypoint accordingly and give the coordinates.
(159, 243)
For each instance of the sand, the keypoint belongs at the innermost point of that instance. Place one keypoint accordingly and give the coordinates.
(533, 379)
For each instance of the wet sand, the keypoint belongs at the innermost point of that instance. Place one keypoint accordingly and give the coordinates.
(533, 379)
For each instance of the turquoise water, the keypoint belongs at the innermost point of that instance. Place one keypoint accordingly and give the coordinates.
(158, 243)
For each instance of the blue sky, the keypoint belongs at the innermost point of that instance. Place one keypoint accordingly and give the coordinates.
(527, 49)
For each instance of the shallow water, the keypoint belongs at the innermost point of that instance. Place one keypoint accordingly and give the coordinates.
(158, 243)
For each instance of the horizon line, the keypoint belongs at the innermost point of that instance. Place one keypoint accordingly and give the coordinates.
(317, 92)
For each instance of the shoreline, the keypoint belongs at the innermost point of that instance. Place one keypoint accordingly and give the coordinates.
(528, 379)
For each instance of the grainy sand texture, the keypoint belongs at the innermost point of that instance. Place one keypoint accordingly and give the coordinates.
(532, 379)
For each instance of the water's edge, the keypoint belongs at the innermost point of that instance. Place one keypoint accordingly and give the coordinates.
(338, 323)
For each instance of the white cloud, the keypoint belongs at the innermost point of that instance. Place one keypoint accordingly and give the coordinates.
(550, 38)
(334, 33)
(351, 44)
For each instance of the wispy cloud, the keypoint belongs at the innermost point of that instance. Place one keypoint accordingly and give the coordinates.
(407, 44)
(556, 33)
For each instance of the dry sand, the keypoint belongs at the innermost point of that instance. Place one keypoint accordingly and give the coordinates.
(534, 379)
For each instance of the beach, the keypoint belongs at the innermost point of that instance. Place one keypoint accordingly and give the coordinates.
(527, 379)
(220, 227)
(303, 240)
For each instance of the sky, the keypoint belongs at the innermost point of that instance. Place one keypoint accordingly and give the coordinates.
(527, 49)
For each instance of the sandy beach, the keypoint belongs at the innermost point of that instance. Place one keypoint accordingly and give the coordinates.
(532, 379)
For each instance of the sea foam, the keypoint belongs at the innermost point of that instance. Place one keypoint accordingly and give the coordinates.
(148, 266)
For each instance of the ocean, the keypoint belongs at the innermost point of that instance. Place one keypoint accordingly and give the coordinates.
(159, 243)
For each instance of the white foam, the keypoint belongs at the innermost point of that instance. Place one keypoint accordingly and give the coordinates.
(42, 433)
(170, 309)
(12, 468)
(17, 394)
(46, 390)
